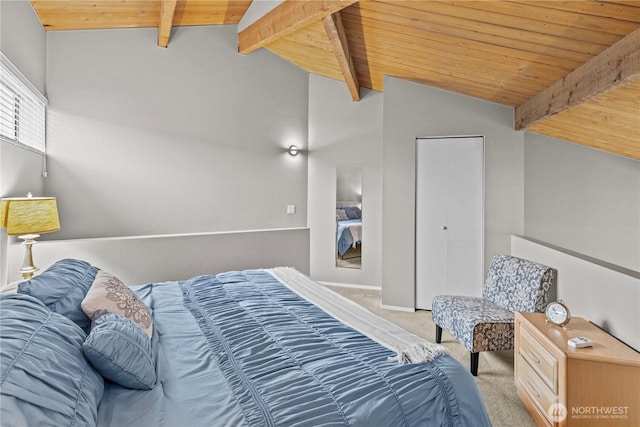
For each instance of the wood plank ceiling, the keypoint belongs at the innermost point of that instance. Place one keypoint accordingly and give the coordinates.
(570, 68)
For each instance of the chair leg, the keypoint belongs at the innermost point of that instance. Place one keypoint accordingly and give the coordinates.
(474, 363)
(438, 334)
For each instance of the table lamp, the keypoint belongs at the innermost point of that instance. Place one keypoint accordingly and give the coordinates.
(28, 217)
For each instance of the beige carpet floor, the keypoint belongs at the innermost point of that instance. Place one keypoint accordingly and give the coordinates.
(351, 259)
(495, 369)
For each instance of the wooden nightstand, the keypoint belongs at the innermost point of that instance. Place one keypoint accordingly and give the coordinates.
(563, 386)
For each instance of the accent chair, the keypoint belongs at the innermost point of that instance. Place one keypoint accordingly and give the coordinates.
(487, 323)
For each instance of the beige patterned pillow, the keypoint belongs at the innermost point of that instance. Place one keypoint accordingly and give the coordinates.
(109, 295)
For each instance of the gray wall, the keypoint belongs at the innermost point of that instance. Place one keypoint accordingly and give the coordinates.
(564, 194)
(255, 11)
(145, 259)
(349, 183)
(192, 138)
(582, 199)
(412, 110)
(23, 41)
(343, 132)
(591, 288)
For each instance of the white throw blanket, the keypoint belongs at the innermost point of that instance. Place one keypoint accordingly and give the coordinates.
(409, 347)
(356, 233)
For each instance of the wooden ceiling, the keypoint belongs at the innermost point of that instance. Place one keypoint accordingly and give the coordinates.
(570, 68)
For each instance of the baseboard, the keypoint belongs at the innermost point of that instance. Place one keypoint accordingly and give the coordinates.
(349, 285)
(396, 308)
(372, 288)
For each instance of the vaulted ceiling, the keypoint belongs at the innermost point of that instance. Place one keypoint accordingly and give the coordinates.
(571, 69)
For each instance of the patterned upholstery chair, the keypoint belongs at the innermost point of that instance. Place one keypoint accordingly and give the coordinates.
(486, 324)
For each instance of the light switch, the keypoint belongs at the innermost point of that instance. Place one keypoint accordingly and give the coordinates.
(291, 209)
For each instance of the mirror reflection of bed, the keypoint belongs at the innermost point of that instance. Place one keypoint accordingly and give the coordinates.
(349, 216)
(348, 234)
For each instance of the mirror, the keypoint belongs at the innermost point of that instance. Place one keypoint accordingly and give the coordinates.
(349, 216)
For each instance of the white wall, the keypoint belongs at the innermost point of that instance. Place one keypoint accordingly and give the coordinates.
(583, 199)
(412, 110)
(343, 132)
(23, 41)
(192, 138)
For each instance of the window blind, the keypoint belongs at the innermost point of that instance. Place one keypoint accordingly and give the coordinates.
(22, 108)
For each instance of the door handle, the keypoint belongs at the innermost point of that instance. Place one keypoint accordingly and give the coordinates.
(444, 227)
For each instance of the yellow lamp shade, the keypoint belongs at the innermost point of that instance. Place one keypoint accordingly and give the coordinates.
(29, 215)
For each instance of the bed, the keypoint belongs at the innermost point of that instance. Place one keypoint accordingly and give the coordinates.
(348, 226)
(243, 348)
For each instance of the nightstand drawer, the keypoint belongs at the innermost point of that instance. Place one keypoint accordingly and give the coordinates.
(539, 359)
(529, 380)
(584, 382)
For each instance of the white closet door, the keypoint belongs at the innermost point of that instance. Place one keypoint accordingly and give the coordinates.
(449, 217)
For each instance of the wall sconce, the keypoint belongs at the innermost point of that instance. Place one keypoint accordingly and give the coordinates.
(293, 150)
(26, 217)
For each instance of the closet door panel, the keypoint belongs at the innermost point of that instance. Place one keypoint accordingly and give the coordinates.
(465, 213)
(449, 217)
(431, 233)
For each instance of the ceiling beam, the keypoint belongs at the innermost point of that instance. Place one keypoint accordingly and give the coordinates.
(338, 39)
(287, 17)
(618, 64)
(167, 12)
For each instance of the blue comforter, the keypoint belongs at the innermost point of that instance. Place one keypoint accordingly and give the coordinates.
(344, 236)
(241, 349)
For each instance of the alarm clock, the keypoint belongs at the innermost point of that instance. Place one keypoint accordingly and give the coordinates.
(558, 313)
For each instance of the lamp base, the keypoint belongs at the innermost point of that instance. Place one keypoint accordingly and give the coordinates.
(28, 268)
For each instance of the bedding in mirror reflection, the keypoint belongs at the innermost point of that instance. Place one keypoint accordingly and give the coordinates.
(349, 216)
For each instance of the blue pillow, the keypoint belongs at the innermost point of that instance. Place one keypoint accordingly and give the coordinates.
(44, 376)
(62, 287)
(121, 351)
(353, 212)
